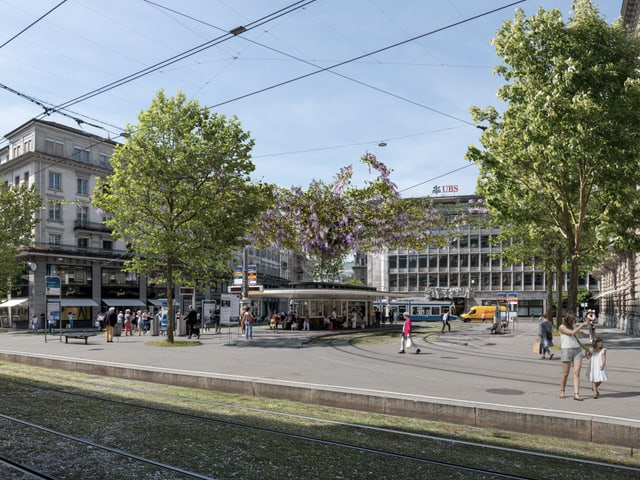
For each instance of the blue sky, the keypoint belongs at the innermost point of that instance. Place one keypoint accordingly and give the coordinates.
(415, 97)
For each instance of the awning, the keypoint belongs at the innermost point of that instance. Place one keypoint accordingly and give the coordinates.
(123, 302)
(78, 302)
(14, 302)
(162, 302)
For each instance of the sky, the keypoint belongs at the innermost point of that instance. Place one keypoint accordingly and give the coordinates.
(317, 82)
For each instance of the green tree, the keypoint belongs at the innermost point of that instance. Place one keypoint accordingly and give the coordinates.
(18, 207)
(180, 194)
(563, 157)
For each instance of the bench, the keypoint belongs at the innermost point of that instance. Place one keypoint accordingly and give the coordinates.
(81, 335)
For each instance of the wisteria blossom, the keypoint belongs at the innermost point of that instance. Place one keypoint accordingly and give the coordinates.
(327, 222)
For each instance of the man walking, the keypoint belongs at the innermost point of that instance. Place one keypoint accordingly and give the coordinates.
(445, 321)
(110, 321)
(191, 320)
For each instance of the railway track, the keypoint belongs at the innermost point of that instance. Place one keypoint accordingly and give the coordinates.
(212, 426)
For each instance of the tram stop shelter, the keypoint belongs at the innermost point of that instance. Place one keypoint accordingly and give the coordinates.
(316, 300)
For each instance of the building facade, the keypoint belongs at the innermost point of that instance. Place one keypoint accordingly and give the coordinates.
(72, 243)
(467, 271)
(619, 276)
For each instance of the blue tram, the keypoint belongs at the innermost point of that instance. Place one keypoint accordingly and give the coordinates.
(419, 309)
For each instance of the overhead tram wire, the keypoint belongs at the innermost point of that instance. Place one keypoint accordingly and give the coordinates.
(187, 53)
(32, 24)
(359, 57)
(435, 178)
(359, 82)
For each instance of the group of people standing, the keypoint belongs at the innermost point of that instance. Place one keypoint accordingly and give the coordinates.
(573, 351)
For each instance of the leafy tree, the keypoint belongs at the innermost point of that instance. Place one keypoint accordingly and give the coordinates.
(563, 157)
(18, 207)
(180, 193)
(326, 222)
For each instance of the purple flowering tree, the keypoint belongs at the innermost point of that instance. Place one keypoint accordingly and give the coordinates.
(327, 222)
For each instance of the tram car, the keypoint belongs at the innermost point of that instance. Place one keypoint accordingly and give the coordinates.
(419, 309)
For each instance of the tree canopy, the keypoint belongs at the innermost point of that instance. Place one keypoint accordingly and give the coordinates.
(180, 193)
(562, 159)
(18, 207)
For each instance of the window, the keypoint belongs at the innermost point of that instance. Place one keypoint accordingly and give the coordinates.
(82, 214)
(55, 181)
(402, 261)
(54, 239)
(393, 262)
(83, 186)
(433, 262)
(443, 261)
(16, 180)
(83, 243)
(53, 147)
(107, 245)
(104, 160)
(453, 261)
(80, 155)
(26, 178)
(55, 210)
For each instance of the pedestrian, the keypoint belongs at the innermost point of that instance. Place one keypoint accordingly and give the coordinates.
(52, 322)
(597, 367)
(128, 323)
(484, 315)
(34, 323)
(275, 319)
(445, 321)
(407, 341)
(110, 321)
(591, 318)
(248, 320)
(100, 320)
(378, 316)
(216, 322)
(191, 319)
(545, 332)
(70, 320)
(305, 323)
(571, 354)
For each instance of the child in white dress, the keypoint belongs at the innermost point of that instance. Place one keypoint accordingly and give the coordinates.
(597, 369)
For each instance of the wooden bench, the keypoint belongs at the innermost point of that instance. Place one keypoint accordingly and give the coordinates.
(81, 335)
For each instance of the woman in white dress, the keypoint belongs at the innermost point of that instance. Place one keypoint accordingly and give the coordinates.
(597, 368)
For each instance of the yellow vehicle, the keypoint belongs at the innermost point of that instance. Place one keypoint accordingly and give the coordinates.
(482, 312)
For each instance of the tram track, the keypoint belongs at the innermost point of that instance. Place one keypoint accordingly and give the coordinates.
(113, 396)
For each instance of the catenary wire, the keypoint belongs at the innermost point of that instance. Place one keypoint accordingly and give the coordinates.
(359, 57)
(32, 24)
(307, 62)
(186, 54)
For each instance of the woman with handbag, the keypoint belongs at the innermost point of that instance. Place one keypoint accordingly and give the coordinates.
(571, 354)
(407, 341)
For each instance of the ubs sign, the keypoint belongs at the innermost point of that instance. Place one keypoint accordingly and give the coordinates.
(444, 189)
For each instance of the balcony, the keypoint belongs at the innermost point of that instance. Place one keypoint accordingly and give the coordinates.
(41, 247)
(91, 226)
